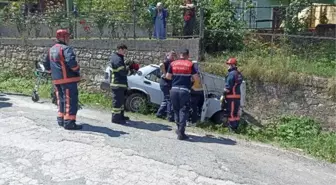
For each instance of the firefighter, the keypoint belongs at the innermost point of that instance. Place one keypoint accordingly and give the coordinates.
(232, 93)
(65, 73)
(165, 85)
(118, 83)
(182, 72)
(197, 98)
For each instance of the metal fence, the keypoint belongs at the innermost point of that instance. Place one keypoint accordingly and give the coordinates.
(273, 17)
(97, 24)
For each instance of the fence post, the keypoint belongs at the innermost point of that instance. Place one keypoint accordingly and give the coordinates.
(134, 19)
(201, 36)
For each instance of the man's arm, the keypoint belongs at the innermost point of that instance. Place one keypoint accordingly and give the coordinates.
(229, 83)
(70, 59)
(46, 62)
(162, 68)
(118, 66)
(169, 74)
(195, 76)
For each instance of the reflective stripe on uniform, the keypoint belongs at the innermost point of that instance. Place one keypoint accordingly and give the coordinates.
(118, 85)
(67, 80)
(118, 69)
(185, 89)
(233, 96)
(117, 110)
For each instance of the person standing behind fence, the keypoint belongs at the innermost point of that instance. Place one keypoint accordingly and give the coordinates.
(189, 17)
(182, 72)
(165, 85)
(61, 61)
(160, 16)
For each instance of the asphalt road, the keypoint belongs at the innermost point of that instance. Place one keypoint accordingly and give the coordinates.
(34, 150)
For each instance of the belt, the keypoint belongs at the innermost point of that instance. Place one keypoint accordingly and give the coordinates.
(182, 88)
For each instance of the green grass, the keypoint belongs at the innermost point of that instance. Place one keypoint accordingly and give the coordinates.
(289, 132)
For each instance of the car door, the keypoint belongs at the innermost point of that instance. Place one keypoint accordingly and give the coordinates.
(152, 86)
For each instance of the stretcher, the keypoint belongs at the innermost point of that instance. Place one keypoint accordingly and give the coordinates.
(43, 77)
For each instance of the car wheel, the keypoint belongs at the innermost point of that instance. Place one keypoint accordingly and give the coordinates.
(219, 117)
(135, 102)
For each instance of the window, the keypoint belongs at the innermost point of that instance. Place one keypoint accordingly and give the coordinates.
(154, 76)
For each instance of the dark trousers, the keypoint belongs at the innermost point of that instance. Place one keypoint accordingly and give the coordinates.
(181, 105)
(166, 105)
(233, 110)
(118, 104)
(197, 100)
(188, 27)
(67, 102)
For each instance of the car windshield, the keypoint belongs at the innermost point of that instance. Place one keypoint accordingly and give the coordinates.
(154, 76)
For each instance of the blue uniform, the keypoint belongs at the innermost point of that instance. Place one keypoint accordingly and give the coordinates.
(232, 83)
(61, 61)
(181, 71)
(166, 106)
(119, 87)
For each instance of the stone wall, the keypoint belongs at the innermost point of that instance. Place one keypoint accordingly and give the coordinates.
(312, 98)
(264, 100)
(92, 55)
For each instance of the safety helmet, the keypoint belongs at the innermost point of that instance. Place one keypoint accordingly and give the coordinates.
(232, 61)
(62, 34)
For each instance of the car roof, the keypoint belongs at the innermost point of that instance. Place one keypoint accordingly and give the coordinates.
(149, 68)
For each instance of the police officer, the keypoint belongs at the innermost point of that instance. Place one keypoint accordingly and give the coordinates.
(181, 72)
(118, 83)
(165, 85)
(232, 93)
(197, 98)
(61, 62)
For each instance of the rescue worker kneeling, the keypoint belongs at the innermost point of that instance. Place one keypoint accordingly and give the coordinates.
(232, 93)
(197, 98)
(61, 61)
(118, 83)
(181, 71)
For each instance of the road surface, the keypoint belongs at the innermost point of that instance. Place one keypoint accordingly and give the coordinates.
(34, 150)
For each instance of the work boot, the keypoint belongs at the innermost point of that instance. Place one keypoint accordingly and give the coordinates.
(60, 121)
(126, 118)
(120, 122)
(181, 136)
(61, 124)
(73, 127)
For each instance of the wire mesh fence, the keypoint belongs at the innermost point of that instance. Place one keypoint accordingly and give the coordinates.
(137, 22)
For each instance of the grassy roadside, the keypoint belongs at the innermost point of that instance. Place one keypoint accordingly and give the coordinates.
(289, 132)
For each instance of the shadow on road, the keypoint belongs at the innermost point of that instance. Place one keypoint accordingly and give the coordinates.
(102, 130)
(4, 99)
(3, 103)
(155, 127)
(207, 139)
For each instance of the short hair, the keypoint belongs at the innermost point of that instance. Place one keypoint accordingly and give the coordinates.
(121, 46)
(184, 51)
